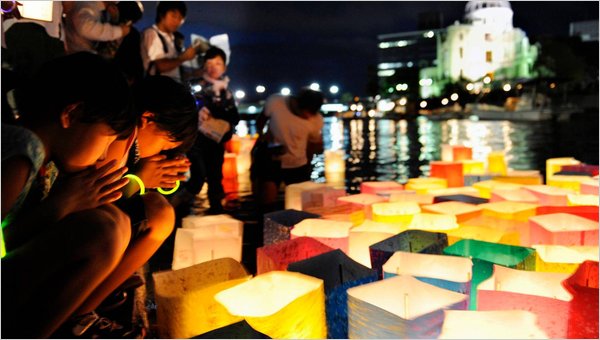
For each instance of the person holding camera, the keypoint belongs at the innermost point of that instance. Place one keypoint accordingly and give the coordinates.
(162, 48)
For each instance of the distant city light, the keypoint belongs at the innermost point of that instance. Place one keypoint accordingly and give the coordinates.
(385, 105)
(239, 94)
(315, 86)
(429, 34)
(506, 87)
(196, 88)
(519, 86)
(402, 101)
(470, 87)
(402, 87)
(359, 107)
(252, 109)
(386, 73)
(353, 107)
(426, 82)
(487, 80)
(286, 91)
(445, 101)
(423, 104)
(260, 89)
(334, 89)
(409, 64)
(552, 85)
(454, 97)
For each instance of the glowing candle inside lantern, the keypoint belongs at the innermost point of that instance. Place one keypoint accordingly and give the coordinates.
(447, 154)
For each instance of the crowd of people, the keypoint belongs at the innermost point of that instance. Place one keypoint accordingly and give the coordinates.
(98, 125)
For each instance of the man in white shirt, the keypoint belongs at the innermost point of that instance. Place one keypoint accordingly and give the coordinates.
(159, 50)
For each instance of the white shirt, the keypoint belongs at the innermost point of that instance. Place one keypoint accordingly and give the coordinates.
(152, 49)
(292, 131)
(84, 27)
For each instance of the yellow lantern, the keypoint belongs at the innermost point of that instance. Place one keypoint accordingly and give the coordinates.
(519, 195)
(399, 307)
(501, 324)
(540, 293)
(329, 232)
(362, 202)
(462, 211)
(587, 200)
(480, 233)
(563, 259)
(395, 212)
(509, 210)
(567, 182)
(563, 229)
(335, 167)
(525, 177)
(472, 167)
(293, 193)
(497, 163)
(548, 195)
(433, 222)
(205, 238)
(554, 165)
(411, 196)
(486, 187)
(509, 231)
(366, 234)
(423, 184)
(376, 187)
(185, 301)
(282, 305)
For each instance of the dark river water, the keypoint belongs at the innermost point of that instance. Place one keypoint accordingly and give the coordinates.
(396, 150)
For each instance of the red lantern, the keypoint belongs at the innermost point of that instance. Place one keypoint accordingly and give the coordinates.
(451, 171)
(583, 309)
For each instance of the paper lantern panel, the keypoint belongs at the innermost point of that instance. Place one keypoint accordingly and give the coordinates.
(277, 225)
(278, 256)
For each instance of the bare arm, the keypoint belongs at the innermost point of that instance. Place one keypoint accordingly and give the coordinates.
(168, 64)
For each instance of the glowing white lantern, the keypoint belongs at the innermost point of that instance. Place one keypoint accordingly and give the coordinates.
(205, 238)
(293, 193)
(447, 153)
(449, 272)
(461, 211)
(282, 305)
(366, 234)
(331, 233)
(563, 229)
(540, 293)
(395, 212)
(362, 202)
(399, 307)
(587, 200)
(563, 259)
(185, 298)
(502, 324)
(335, 166)
(376, 187)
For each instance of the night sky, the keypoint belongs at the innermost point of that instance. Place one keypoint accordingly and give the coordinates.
(292, 44)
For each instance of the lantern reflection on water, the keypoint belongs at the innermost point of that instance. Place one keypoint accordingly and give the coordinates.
(282, 305)
(537, 292)
(503, 324)
(399, 307)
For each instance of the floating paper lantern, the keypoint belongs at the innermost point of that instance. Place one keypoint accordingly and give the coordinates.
(563, 229)
(567, 182)
(376, 187)
(367, 234)
(293, 193)
(509, 210)
(563, 259)
(205, 238)
(519, 195)
(423, 184)
(502, 324)
(461, 153)
(395, 212)
(338, 272)
(497, 163)
(589, 187)
(589, 212)
(525, 177)
(449, 272)
(433, 222)
(279, 256)
(335, 166)
(362, 202)
(277, 225)
(537, 292)
(584, 169)
(321, 197)
(583, 309)
(185, 298)
(486, 187)
(452, 172)
(411, 196)
(454, 191)
(554, 165)
(282, 305)
(342, 212)
(462, 211)
(332, 233)
(472, 167)
(586, 200)
(460, 198)
(238, 330)
(399, 307)
(485, 254)
(447, 154)
(414, 241)
(477, 233)
(470, 180)
(229, 166)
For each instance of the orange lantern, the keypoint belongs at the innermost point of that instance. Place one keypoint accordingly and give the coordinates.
(589, 187)
(422, 185)
(525, 177)
(230, 166)
(554, 165)
(486, 187)
(589, 212)
(452, 172)
(460, 153)
(518, 195)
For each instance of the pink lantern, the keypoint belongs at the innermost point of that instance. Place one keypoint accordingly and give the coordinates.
(537, 292)
(462, 211)
(518, 195)
(563, 229)
(452, 172)
(278, 256)
(332, 233)
(376, 187)
(548, 195)
(460, 153)
(583, 309)
(362, 202)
